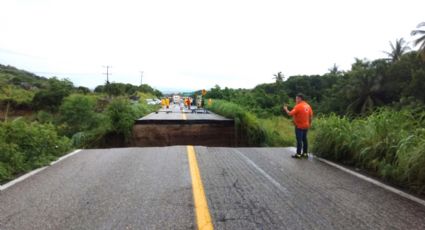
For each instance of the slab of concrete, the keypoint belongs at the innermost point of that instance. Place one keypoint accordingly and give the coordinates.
(182, 127)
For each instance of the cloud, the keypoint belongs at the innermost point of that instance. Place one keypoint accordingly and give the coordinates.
(197, 44)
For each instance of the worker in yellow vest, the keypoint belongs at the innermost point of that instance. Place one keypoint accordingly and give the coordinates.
(163, 103)
(167, 102)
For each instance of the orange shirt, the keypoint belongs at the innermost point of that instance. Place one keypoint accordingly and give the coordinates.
(302, 113)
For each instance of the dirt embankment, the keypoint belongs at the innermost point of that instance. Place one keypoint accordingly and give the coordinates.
(15, 113)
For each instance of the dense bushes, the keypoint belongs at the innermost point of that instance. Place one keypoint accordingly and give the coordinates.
(90, 124)
(51, 97)
(25, 146)
(122, 116)
(59, 116)
(390, 143)
(77, 113)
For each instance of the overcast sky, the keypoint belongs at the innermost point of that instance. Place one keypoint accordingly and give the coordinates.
(182, 44)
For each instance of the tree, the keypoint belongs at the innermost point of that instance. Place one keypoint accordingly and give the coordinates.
(122, 115)
(51, 98)
(364, 90)
(421, 39)
(417, 85)
(77, 113)
(115, 89)
(334, 70)
(99, 89)
(83, 90)
(215, 93)
(397, 50)
(278, 77)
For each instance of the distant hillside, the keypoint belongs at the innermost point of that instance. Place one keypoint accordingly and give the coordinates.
(21, 90)
(21, 78)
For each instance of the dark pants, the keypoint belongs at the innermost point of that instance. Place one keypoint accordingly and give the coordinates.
(301, 135)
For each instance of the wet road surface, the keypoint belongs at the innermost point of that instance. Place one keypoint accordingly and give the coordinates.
(245, 188)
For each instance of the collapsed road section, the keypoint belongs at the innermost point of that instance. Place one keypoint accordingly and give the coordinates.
(175, 127)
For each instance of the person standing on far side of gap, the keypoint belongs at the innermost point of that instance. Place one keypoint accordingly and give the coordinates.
(303, 116)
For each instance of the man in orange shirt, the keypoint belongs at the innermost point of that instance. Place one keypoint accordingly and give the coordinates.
(303, 116)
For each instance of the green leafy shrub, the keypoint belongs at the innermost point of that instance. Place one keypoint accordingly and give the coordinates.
(77, 114)
(17, 97)
(94, 137)
(25, 146)
(44, 117)
(51, 98)
(121, 114)
(95, 123)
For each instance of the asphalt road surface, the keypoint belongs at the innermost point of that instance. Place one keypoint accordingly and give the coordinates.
(245, 188)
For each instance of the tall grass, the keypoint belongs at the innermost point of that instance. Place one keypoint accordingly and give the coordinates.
(388, 143)
(272, 131)
(249, 130)
(280, 131)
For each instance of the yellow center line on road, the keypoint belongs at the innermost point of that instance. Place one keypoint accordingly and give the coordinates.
(203, 217)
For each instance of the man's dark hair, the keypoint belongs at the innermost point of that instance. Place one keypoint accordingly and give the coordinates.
(300, 95)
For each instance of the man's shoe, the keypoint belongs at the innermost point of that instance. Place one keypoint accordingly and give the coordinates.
(297, 156)
(305, 155)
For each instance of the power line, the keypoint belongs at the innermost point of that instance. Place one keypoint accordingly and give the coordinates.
(107, 73)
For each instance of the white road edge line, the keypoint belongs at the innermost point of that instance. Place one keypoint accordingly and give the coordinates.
(370, 180)
(266, 175)
(64, 157)
(25, 176)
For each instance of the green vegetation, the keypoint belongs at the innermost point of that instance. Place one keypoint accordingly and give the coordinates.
(108, 126)
(280, 131)
(420, 41)
(119, 89)
(122, 115)
(50, 98)
(388, 142)
(27, 145)
(357, 92)
(247, 126)
(253, 131)
(78, 113)
(371, 116)
(46, 118)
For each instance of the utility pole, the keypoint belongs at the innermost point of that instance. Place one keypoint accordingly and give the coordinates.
(107, 73)
(141, 77)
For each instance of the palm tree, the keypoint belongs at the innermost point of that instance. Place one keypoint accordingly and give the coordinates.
(334, 70)
(398, 49)
(421, 39)
(279, 77)
(364, 88)
(364, 93)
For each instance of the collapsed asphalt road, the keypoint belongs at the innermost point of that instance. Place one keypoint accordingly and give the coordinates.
(245, 188)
